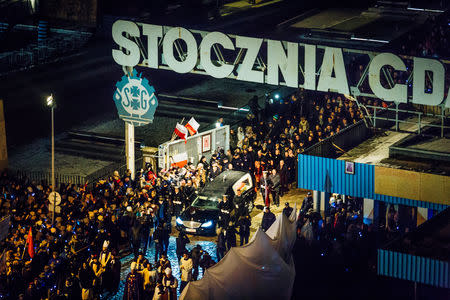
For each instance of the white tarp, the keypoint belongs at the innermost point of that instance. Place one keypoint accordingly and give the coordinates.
(262, 269)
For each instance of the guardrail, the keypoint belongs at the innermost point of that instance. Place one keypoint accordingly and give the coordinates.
(46, 177)
(347, 137)
(60, 43)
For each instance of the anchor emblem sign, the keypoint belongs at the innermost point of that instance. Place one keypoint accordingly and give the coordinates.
(135, 99)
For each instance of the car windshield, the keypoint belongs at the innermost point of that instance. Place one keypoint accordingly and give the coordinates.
(205, 203)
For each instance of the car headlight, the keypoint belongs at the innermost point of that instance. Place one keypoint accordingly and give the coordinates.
(179, 221)
(207, 224)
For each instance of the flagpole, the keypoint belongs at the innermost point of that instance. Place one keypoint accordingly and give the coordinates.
(173, 133)
(24, 248)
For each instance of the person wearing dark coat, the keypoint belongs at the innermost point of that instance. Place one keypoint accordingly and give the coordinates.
(225, 209)
(206, 262)
(86, 276)
(215, 171)
(70, 291)
(287, 210)
(230, 236)
(178, 201)
(307, 204)
(136, 236)
(284, 181)
(134, 285)
(268, 219)
(115, 268)
(166, 230)
(244, 224)
(162, 265)
(274, 180)
(196, 254)
(181, 241)
(265, 188)
(221, 244)
(157, 237)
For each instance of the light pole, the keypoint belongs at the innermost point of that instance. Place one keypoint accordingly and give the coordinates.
(51, 103)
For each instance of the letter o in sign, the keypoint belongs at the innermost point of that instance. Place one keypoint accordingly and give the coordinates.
(190, 61)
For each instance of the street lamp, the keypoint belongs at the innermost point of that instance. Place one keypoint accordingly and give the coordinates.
(51, 103)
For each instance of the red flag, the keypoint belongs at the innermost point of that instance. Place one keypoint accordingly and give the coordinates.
(181, 131)
(30, 243)
(192, 126)
(180, 160)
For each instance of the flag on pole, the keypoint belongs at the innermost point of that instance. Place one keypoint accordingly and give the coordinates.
(179, 160)
(181, 131)
(30, 243)
(192, 126)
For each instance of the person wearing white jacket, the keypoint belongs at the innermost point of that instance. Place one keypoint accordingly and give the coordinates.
(186, 266)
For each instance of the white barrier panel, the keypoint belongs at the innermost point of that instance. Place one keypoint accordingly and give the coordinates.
(201, 144)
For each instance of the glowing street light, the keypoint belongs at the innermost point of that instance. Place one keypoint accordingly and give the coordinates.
(51, 103)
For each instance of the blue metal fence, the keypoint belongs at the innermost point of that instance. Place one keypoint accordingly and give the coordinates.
(413, 268)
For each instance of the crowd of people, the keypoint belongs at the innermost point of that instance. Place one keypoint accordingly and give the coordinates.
(429, 41)
(76, 255)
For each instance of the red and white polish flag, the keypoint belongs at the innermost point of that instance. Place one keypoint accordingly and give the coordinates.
(192, 126)
(181, 131)
(179, 160)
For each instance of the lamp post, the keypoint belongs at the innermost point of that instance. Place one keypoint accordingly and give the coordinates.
(51, 103)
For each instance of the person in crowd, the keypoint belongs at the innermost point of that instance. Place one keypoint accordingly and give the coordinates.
(166, 230)
(221, 244)
(181, 242)
(206, 261)
(282, 170)
(149, 277)
(244, 224)
(158, 239)
(162, 265)
(160, 292)
(186, 266)
(265, 188)
(307, 204)
(196, 254)
(86, 276)
(230, 235)
(133, 285)
(225, 208)
(287, 210)
(178, 201)
(170, 284)
(115, 267)
(268, 219)
(274, 184)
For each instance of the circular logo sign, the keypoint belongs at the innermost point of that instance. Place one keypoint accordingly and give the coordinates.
(135, 100)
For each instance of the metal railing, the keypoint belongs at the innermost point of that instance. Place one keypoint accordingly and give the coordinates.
(107, 171)
(46, 177)
(60, 43)
(348, 137)
(419, 122)
(41, 177)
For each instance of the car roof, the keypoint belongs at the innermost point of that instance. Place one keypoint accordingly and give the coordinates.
(222, 183)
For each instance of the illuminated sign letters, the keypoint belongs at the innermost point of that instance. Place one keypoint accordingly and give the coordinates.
(271, 61)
